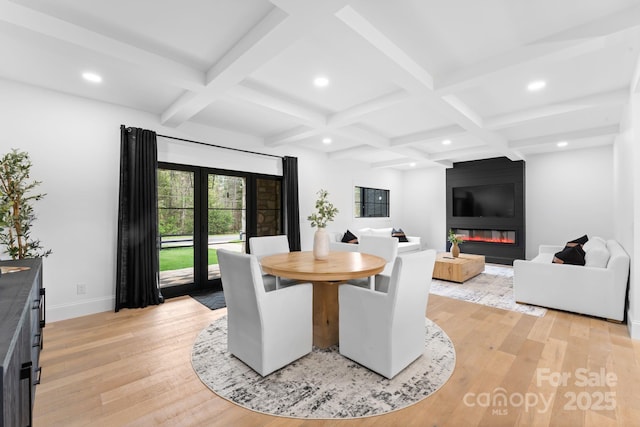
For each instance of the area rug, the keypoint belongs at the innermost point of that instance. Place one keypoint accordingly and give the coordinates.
(493, 288)
(322, 384)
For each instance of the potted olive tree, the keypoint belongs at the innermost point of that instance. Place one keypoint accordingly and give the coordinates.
(16, 207)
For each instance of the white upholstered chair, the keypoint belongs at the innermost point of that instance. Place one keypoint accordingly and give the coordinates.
(270, 245)
(386, 331)
(266, 330)
(384, 247)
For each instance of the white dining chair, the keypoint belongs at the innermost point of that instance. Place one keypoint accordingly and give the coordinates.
(384, 247)
(270, 245)
(266, 330)
(385, 332)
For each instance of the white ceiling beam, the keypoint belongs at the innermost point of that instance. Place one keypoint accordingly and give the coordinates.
(392, 163)
(436, 134)
(277, 103)
(464, 110)
(291, 136)
(269, 37)
(452, 107)
(566, 136)
(352, 152)
(607, 25)
(605, 99)
(335, 125)
(411, 152)
(160, 67)
(353, 133)
(574, 42)
(527, 56)
(412, 160)
(364, 136)
(446, 163)
(255, 48)
(369, 32)
(460, 152)
(355, 113)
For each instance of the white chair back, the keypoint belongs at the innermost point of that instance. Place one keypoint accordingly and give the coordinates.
(268, 245)
(262, 246)
(385, 331)
(243, 292)
(256, 319)
(384, 247)
(410, 284)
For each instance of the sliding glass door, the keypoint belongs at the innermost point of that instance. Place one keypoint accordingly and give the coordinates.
(202, 210)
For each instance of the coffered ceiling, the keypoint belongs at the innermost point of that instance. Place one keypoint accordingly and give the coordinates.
(404, 75)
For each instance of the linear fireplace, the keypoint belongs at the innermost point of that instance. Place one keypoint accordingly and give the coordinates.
(485, 204)
(506, 237)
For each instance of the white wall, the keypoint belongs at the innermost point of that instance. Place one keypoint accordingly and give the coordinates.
(425, 206)
(568, 194)
(74, 144)
(627, 203)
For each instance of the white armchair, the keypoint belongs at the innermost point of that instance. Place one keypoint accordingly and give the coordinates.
(270, 245)
(386, 331)
(266, 330)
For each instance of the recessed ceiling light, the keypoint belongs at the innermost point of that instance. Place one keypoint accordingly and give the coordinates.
(412, 164)
(562, 144)
(92, 77)
(326, 140)
(446, 142)
(321, 81)
(536, 85)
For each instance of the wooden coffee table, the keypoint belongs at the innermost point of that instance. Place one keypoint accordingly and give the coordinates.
(458, 269)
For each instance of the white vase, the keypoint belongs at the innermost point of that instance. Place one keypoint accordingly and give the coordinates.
(321, 244)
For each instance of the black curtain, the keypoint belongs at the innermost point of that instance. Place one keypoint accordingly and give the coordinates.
(137, 277)
(291, 201)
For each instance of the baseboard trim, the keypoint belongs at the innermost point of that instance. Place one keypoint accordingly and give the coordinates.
(633, 326)
(78, 309)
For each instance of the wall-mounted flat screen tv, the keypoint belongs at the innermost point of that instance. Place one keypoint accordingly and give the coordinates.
(495, 200)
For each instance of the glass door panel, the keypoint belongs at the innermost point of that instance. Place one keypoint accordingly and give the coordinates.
(226, 218)
(176, 226)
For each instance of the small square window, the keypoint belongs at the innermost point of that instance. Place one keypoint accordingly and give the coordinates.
(371, 202)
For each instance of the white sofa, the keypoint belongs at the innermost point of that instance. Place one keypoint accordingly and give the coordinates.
(589, 289)
(336, 244)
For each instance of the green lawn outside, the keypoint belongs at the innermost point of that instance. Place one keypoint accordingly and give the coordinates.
(177, 258)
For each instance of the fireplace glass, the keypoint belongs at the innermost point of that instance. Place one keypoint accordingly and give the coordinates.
(488, 236)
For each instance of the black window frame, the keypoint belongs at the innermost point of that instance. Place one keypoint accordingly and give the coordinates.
(372, 202)
(201, 173)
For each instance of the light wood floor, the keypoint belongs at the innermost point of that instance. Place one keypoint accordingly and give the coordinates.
(133, 368)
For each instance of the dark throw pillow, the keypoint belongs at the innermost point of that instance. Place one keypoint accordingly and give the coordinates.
(573, 255)
(400, 235)
(349, 237)
(579, 241)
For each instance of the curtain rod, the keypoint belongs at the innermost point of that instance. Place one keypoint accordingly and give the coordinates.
(220, 146)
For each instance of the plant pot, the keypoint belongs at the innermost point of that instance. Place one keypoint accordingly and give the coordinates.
(321, 244)
(455, 250)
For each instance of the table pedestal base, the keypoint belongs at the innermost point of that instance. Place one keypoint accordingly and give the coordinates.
(325, 314)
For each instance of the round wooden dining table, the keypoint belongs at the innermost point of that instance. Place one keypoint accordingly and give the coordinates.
(325, 275)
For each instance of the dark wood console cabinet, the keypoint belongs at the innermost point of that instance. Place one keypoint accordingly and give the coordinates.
(22, 317)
